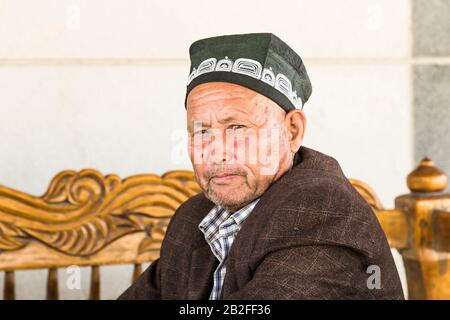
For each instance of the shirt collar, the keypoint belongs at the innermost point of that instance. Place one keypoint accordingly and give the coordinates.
(219, 215)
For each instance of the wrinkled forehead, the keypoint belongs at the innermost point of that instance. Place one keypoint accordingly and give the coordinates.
(216, 92)
(225, 102)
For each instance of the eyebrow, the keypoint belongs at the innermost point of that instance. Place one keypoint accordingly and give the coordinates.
(191, 127)
(232, 117)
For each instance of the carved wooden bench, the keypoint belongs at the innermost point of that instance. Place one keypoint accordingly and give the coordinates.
(88, 219)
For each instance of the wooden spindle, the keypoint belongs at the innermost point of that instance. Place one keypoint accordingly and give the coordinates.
(95, 283)
(52, 284)
(9, 288)
(136, 272)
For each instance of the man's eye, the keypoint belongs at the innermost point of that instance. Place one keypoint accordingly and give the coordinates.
(203, 131)
(237, 126)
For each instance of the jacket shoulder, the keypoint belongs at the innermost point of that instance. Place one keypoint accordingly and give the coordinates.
(327, 209)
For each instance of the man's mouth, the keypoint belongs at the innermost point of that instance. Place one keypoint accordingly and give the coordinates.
(224, 177)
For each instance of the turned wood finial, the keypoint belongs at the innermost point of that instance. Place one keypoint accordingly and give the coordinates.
(427, 178)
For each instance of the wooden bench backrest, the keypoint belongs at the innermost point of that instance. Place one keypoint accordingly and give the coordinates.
(87, 219)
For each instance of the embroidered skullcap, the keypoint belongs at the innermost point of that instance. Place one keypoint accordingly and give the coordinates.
(259, 61)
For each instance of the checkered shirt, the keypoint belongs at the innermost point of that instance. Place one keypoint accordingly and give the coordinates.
(220, 228)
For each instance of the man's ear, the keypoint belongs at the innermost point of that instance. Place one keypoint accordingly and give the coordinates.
(295, 122)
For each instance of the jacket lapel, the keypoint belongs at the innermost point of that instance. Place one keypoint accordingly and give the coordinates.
(203, 265)
(239, 270)
(238, 260)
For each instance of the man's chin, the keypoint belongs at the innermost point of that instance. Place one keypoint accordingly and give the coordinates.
(227, 202)
(227, 192)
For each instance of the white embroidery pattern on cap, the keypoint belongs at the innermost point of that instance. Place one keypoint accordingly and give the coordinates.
(250, 68)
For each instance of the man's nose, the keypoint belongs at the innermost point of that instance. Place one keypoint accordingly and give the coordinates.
(219, 150)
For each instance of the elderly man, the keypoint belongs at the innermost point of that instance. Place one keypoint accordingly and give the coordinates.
(275, 220)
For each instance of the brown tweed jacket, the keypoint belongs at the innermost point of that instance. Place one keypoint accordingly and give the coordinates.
(311, 236)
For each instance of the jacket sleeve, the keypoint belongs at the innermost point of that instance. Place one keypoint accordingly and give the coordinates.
(146, 287)
(312, 272)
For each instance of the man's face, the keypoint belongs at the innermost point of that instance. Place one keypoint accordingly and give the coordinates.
(238, 142)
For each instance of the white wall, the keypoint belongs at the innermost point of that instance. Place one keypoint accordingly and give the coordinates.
(106, 91)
